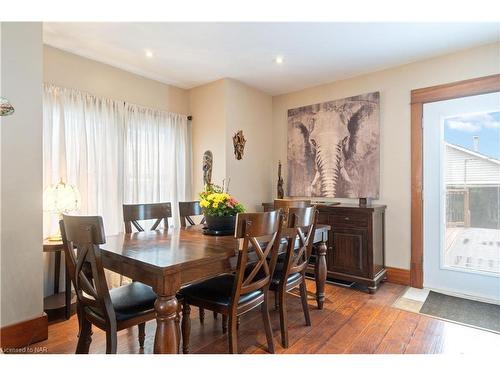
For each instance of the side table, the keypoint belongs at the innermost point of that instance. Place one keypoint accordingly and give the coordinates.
(53, 305)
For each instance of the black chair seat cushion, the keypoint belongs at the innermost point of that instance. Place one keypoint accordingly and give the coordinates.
(130, 301)
(217, 290)
(278, 274)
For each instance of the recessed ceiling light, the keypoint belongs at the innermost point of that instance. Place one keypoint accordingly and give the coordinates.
(278, 60)
(149, 53)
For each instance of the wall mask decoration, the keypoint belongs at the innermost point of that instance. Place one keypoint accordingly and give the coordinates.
(5, 107)
(334, 148)
(207, 167)
(239, 144)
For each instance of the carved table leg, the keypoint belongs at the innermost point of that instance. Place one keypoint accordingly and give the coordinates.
(186, 327)
(320, 274)
(67, 294)
(57, 271)
(224, 323)
(166, 341)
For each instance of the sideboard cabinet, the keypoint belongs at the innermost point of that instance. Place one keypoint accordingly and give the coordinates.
(355, 249)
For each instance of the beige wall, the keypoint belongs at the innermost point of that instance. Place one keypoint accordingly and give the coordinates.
(21, 174)
(219, 110)
(68, 70)
(208, 131)
(394, 85)
(249, 110)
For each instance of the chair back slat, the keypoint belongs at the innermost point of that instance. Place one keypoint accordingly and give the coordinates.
(155, 225)
(132, 213)
(289, 203)
(300, 228)
(249, 228)
(137, 226)
(189, 209)
(256, 225)
(85, 234)
(284, 206)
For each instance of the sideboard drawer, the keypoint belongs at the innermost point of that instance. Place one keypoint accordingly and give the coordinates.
(349, 220)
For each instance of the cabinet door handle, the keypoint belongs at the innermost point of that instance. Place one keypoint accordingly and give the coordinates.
(346, 218)
(330, 248)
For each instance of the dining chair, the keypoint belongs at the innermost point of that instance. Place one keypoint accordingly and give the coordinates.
(189, 209)
(234, 294)
(132, 213)
(284, 205)
(110, 310)
(186, 211)
(290, 273)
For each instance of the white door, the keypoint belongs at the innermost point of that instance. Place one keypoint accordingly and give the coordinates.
(462, 196)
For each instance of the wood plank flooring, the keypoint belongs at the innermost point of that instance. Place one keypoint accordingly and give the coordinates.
(352, 322)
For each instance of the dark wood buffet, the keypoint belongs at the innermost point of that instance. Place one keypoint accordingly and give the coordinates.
(355, 247)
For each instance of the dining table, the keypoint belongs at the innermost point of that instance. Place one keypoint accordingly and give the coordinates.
(166, 260)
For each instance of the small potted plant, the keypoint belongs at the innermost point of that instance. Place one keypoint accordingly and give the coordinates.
(220, 210)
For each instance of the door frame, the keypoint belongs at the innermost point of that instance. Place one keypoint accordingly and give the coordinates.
(419, 97)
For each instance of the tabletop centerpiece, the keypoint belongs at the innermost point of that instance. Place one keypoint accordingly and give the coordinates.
(220, 210)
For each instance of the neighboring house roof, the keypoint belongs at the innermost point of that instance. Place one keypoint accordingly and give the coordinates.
(466, 167)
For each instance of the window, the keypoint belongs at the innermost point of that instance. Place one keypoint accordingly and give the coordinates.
(115, 153)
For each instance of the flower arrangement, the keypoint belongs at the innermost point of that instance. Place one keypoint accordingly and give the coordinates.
(214, 201)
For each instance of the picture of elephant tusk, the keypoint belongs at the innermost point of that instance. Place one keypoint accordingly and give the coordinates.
(345, 175)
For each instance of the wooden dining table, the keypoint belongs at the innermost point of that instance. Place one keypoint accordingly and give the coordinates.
(169, 259)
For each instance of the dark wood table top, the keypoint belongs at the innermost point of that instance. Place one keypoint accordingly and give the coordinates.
(166, 249)
(175, 248)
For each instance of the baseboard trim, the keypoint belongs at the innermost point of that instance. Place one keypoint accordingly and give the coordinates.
(398, 276)
(24, 333)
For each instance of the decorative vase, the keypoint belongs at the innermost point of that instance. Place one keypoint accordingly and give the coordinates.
(220, 224)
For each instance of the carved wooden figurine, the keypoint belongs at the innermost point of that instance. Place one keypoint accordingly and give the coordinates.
(239, 144)
(281, 192)
(207, 167)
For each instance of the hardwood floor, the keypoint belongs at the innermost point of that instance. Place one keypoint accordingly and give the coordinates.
(351, 322)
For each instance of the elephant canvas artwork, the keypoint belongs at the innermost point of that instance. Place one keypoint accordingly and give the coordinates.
(334, 148)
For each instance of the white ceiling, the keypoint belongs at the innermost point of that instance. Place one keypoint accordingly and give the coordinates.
(190, 54)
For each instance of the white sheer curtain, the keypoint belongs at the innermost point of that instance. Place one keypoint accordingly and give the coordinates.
(83, 145)
(157, 157)
(115, 153)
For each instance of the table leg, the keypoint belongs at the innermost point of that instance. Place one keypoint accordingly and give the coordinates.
(166, 341)
(320, 274)
(57, 271)
(67, 292)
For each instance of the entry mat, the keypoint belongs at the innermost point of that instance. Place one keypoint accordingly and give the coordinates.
(461, 310)
(455, 309)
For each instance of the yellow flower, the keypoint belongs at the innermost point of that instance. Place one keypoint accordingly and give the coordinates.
(216, 204)
(204, 203)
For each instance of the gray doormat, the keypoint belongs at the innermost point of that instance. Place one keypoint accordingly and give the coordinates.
(465, 311)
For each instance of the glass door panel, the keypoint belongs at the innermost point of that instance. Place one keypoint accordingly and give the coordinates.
(462, 196)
